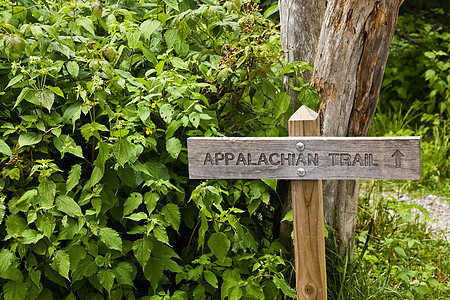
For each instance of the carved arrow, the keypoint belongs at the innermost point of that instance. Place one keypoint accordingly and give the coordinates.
(398, 158)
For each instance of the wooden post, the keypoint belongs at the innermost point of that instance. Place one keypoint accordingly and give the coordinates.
(307, 206)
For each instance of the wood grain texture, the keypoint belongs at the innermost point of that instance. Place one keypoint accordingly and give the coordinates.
(323, 158)
(307, 206)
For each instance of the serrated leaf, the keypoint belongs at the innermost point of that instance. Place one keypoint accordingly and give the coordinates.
(73, 68)
(13, 290)
(29, 138)
(4, 148)
(211, 278)
(47, 191)
(151, 199)
(124, 273)
(131, 203)
(161, 234)
(172, 215)
(142, 249)
(86, 268)
(173, 146)
(123, 150)
(15, 224)
(30, 236)
(61, 263)
(219, 245)
(6, 259)
(111, 238)
(284, 287)
(282, 101)
(68, 206)
(166, 112)
(74, 177)
(137, 216)
(46, 97)
(106, 278)
(172, 4)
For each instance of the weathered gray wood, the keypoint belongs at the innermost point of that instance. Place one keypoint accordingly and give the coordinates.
(322, 158)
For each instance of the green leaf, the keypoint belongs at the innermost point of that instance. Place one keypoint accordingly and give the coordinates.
(178, 63)
(172, 215)
(161, 234)
(4, 148)
(132, 203)
(61, 263)
(148, 27)
(13, 290)
(282, 101)
(289, 217)
(211, 278)
(142, 249)
(46, 97)
(86, 268)
(29, 138)
(47, 191)
(30, 236)
(284, 287)
(22, 95)
(15, 224)
(400, 251)
(56, 90)
(219, 245)
(6, 259)
(166, 112)
(106, 278)
(14, 80)
(151, 199)
(133, 38)
(74, 177)
(68, 206)
(111, 238)
(123, 150)
(73, 68)
(172, 4)
(124, 273)
(86, 23)
(173, 146)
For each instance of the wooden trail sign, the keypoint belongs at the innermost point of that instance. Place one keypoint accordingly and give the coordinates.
(305, 159)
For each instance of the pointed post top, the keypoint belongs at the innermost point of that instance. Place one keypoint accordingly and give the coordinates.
(304, 113)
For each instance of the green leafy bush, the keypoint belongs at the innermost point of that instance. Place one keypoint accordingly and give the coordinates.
(97, 101)
(415, 96)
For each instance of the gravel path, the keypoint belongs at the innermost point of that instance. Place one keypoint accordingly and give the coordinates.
(438, 209)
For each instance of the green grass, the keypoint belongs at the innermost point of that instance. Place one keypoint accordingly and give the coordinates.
(394, 258)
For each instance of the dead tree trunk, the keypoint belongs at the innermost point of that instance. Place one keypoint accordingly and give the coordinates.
(348, 69)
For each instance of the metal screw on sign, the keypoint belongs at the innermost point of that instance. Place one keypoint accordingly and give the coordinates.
(300, 146)
(301, 172)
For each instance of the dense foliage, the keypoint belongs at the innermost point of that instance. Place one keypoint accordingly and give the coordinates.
(415, 96)
(97, 102)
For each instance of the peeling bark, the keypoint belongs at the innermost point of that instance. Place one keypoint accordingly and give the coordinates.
(349, 67)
